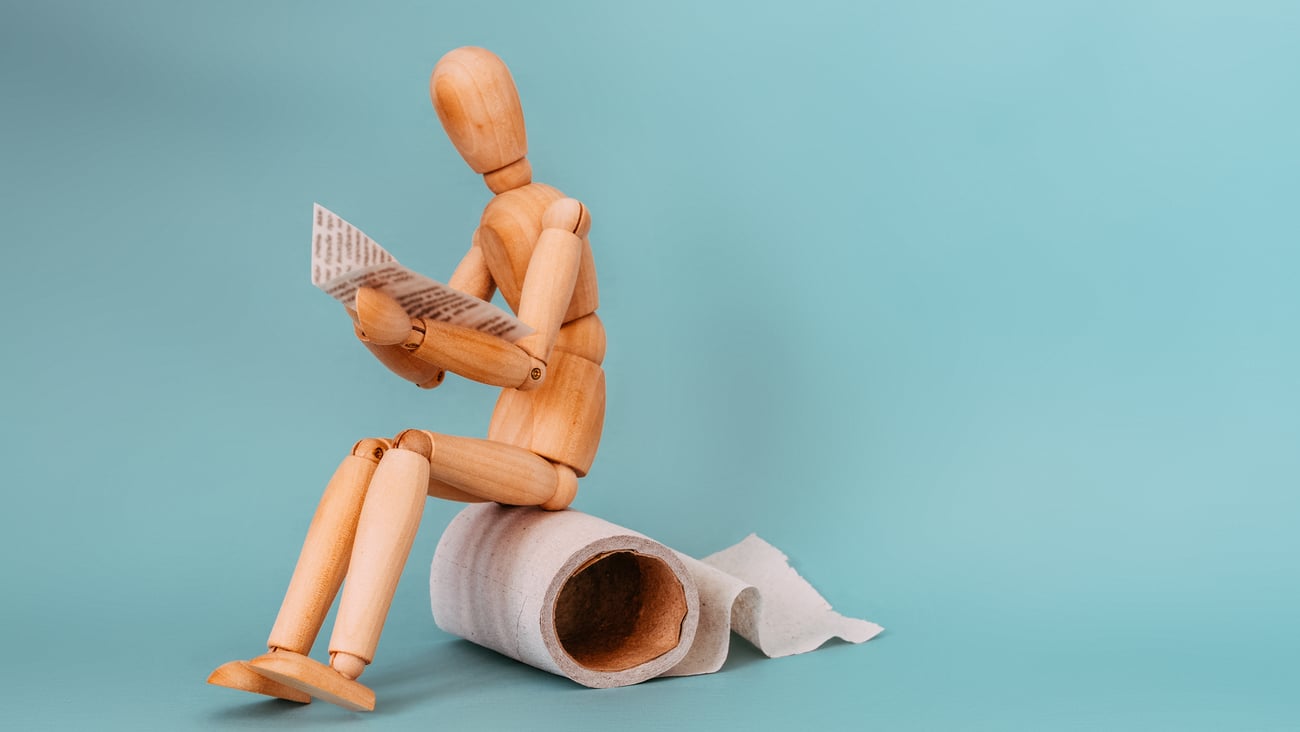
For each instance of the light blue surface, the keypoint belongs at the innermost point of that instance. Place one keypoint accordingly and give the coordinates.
(985, 313)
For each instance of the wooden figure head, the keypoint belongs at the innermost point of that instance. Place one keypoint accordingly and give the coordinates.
(478, 105)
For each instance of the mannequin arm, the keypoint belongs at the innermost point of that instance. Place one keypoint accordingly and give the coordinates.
(472, 278)
(401, 362)
(552, 275)
(471, 353)
(544, 298)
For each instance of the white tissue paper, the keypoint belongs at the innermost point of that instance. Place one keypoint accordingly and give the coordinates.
(575, 595)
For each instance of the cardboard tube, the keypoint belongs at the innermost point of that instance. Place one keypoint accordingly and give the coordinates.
(565, 592)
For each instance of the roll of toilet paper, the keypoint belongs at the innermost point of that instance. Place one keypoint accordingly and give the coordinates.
(605, 606)
(566, 592)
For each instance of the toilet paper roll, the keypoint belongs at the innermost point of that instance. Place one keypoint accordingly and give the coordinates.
(605, 606)
(566, 592)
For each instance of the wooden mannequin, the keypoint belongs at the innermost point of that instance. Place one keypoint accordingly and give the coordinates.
(531, 244)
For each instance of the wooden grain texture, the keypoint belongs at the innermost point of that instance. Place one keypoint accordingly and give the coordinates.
(403, 363)
(586, 296)
(380, 318)
(562, 420)
(515, 175)
(478, 105)
(508, 232)
(475, 355)
(492, 470)
(548, 286)
(472, 276)
(385, 531)
(325, 554)
(315, 678)
(238, 675)
(449, 492)
(565, 491)
(569, 412)
(508, 228)
(584, 337)
(586, 293)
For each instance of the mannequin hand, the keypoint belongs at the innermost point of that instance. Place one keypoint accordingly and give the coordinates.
(380, 318)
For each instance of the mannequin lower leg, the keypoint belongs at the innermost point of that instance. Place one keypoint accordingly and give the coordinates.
(326, 551)
(385, 531)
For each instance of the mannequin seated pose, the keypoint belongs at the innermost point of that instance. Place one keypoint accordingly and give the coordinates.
(531, 244)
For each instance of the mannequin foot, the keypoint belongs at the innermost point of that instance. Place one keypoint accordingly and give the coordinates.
(237, 675)
(314, 678)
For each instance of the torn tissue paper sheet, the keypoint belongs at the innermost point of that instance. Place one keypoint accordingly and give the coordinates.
(752, 589)
(575, 595)
(344, 259)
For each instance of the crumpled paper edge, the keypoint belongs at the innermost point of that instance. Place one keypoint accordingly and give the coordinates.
(751, 588)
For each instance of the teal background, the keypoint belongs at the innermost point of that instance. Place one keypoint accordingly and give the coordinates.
(985, 313)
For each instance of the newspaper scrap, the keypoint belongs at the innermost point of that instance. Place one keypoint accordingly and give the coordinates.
(344, 259)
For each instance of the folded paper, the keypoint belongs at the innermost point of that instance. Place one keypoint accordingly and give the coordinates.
(344, 259)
